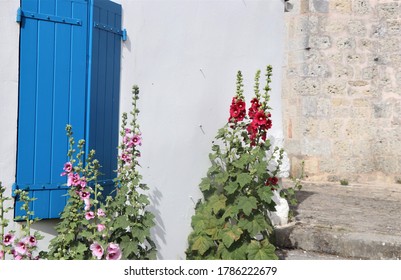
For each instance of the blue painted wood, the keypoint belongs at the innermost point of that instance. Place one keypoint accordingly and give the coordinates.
(105, 84)
(52, 93)
(59, 85)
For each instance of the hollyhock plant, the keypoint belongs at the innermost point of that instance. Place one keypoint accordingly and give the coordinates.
(89, 215)
(232, 220)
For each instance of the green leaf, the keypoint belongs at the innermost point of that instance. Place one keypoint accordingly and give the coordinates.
(230, 235)
(243, 179)
(217, 203)
(261, 250)
(242, 161)
(202, 244)
(230, 212)
(254, 225)
(237, 251)
(231, 187)
(205, 184)
(247, 204)
(221, 178)
(265, 194)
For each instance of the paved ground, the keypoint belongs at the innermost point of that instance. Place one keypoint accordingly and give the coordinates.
(354, 221)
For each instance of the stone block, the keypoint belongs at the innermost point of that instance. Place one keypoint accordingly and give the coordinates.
(323, 107)
(382, 110)
(355, 58)
(315, 147)
(391, 44)
(369, 73)
(320, 42)
(360, 102)
(340, 6)
(335, 88)
(334, 26)
(343, 72)
(394, 27)
(378, 30)
(316, 70)
(311, 166)
(319, 6)
(388, 10)
(335, 57)
(361, 112)
(357, 28)
(345, 43)
(307, 87)
(360, 7)
(358, 83)
(368, 45)
(309, 106)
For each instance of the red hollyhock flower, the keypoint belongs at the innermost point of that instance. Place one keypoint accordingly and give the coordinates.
(273, 181)
(234, 111)
(241, 105)
(260, 118)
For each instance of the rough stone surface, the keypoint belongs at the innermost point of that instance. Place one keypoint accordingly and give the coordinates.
(342, 88)
(355, 221)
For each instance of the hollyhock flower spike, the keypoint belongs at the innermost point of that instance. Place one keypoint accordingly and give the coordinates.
(97, 250)
(113, 252)
(8, 239)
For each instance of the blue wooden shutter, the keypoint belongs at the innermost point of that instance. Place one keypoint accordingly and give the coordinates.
(106, 35)
(59, 85)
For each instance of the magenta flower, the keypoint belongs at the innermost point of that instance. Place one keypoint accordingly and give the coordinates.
(82, 182)
(89, 215)
(31, 240)
(101, 213)
(67, 167)
(126, 157)
(136, 140)
(113, 252)
(17, 257)
(1, 255)
(73, 179)
(84, 195)
(21, 248)
(127, 130)
(8, 239)
(97, 250)
(101, 227)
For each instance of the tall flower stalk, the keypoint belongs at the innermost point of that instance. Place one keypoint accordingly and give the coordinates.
(131, 221)
(232, 221)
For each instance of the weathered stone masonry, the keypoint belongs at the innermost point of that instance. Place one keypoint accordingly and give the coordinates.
(342, 89)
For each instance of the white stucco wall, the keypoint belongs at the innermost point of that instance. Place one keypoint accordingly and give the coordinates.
(184, 56)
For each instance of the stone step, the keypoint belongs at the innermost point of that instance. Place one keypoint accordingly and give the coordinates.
(355, 221)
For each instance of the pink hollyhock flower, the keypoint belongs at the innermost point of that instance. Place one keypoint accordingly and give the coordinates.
(89, 215)
(87, 204)
(84, 195)
(127, 140)
(21, 248)
(82, 182)
(101, 213)
(67, 167)
(73, 179)
(8, 239)
(97, 250)
(101, 227)
(17, 257)
(128, 130)
(1, 255)
(113, 252)
(31, 240)
(126, 157)
(136, 140)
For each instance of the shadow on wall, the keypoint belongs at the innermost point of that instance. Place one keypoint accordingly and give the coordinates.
(158, 231)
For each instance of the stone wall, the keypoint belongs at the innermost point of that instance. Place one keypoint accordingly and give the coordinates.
(342, 89)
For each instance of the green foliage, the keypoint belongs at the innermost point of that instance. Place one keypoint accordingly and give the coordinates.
(232, 222)
(344, 182)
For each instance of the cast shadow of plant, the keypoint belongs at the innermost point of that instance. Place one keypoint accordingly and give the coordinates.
(158, 231)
